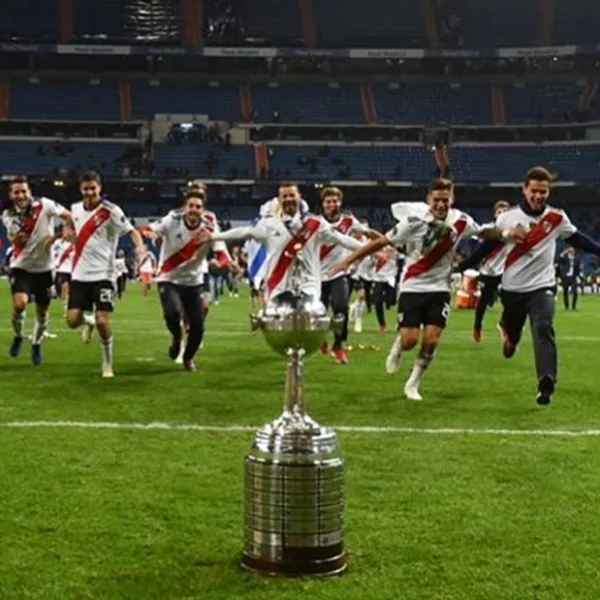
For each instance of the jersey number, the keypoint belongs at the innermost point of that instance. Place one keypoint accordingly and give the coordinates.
(106, 296)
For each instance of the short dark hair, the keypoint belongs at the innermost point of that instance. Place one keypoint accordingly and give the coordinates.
(194, 194)
(89, 177)
(287, 184)
(17, 179)
(331, 191)
(440, 184)
(538, 174)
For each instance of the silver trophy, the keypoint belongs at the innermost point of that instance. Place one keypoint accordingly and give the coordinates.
(294, 473)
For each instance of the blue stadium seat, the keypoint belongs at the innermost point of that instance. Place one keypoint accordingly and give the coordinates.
(219, 102)
(541, 102)
(193, 158)
(428, 104)
(65, 100)
(308, 103)
(25, 158)
(501, 163)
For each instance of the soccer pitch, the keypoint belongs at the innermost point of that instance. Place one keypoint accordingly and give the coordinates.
(475, 493)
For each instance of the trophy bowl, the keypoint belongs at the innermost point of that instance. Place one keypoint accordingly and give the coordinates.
(294, 322)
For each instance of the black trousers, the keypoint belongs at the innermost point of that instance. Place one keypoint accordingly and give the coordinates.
(383, 296)
(489, 295)
(121, 285)
(570, 285)
(539, 306)
(336, 294)
(179, 301)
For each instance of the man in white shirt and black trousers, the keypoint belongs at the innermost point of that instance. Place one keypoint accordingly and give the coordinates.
(529, 278)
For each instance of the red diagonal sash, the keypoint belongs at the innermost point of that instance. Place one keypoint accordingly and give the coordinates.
(343, 227)
(289, 253)
(87, 231)
(183, 255)
(382, 260)
(29, 226)
(427, 262)
(66, 254)
(537, 234)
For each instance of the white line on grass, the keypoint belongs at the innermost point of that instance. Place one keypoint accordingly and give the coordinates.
(157, 426)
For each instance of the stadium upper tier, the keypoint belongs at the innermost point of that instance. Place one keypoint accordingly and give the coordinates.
(450, 23)
(470, 164)
(306, 103)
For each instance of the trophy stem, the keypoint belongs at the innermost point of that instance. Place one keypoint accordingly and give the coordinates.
(294, 403)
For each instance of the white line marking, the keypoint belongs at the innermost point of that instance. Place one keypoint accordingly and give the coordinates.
(158, 426)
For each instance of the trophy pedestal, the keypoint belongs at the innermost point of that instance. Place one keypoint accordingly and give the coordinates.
(294, 500)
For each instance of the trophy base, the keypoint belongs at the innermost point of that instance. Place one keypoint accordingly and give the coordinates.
(294, 500)
(300, 561)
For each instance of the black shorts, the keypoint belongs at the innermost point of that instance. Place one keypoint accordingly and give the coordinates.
(90, 295)
(205, 285)
(427, 308)
(36, 285)
(61, 278)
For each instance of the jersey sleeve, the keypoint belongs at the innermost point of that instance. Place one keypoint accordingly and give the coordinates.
(160, 227)
(473, 228)
(328, 235)
(120, 222)
(567, 229)
(398, 235)
(53, 208)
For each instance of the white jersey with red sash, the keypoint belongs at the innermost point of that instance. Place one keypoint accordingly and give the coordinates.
(292, 242)
(38, 223)
(97, 237)
(493, 264)
(385, 266)
(430, 246)
(64, 256)
(529, 265)
(182, 256)
(332, 255)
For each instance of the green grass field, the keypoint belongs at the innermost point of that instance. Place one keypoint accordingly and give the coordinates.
(432, 513)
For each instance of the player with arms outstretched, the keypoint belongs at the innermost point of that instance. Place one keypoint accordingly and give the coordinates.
(430, 233)
(98, 226)
(289, 237)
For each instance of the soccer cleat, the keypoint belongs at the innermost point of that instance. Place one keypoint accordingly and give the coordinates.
(382, 328)
(477, 335)
(358, 325)
(107, 371)
(545, 391)
(189, 365)
(15, 347)
(339, 356)
(411, 391)
(324, 347)
(87, 333)
(36, 354)
(394, 358)
(508, 348)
